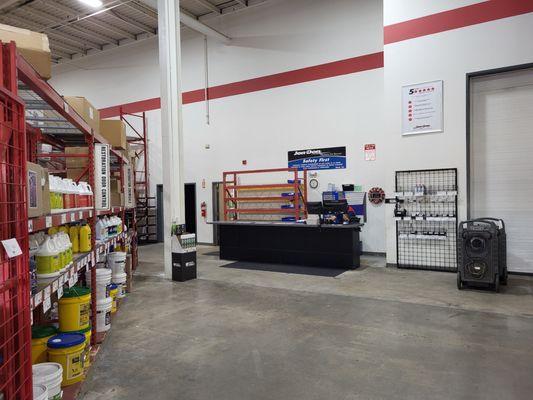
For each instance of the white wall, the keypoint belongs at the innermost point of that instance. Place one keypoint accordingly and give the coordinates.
(261, 126)
(448, 56)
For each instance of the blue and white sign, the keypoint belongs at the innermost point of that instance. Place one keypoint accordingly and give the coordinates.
(326, 158)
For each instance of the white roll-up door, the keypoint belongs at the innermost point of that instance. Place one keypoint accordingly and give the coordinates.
(501, 159)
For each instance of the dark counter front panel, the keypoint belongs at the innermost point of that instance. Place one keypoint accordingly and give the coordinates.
(311, 245)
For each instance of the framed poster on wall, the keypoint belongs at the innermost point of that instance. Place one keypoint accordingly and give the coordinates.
(422, 108)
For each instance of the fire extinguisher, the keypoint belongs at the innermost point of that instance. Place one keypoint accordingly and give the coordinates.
(203, 209)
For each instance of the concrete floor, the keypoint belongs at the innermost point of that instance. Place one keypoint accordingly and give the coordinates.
(372, 333)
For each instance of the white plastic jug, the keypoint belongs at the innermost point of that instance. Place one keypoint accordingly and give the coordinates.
(101, 230)
(48, 259)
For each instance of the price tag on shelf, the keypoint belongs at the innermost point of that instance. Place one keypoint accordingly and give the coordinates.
(90, 213)
(47, 304)
(61, 280)
(60, 291)
(48, 221)
(93, 259)
(47, 292)
(75, 276)
(55, 285)
(80, 214)
(31, 316)
(71, 281)
(63, 219)
(37, 299)
(30, 225)
(84, 261)
(72, 217)
(65, 106)
(12, 248)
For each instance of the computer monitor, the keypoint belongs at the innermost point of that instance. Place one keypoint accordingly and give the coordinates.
(336, 206)
(315, 208)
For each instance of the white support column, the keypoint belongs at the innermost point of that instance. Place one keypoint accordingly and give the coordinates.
(171, 121)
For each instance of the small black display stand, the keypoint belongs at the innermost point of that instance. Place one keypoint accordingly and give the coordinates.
(184, 257)
(426, 219)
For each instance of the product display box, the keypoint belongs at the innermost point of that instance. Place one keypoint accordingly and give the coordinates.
(86, 110)
(38, 190)
(33, 46)
(77, 162)
(114, 131)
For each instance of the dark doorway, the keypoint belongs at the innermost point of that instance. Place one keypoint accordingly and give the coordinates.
(218, 204)
(160, 215)
(190, 207)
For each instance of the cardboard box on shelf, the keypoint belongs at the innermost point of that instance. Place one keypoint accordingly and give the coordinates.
(114, 131)
(115, 185)
(75, 173)
(117, 199)
(33, 46)
(86, 110)
(35, 185)
(77, 162)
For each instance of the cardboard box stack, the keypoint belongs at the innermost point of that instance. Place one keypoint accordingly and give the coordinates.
(33, 46)
(114, 131)
(38, 190)
(86, 110)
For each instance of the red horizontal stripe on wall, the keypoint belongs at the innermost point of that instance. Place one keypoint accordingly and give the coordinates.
(322, 71)
(457, 18)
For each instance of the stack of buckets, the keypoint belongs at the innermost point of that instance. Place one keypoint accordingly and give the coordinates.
(117, 262)
(104, 302)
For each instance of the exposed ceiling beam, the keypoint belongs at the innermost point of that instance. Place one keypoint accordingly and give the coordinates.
(243, 2)
(198, 26)
(64, 46)
(144, 9)
(8, 3)
(133, 23)
(61, 53)
(110, 28)
(63, 36)
(210, 6)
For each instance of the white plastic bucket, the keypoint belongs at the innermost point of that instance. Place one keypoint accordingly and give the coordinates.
(103, 314)
(120, 281)
(103, 279)
(117, 262)
(40, 392)
(50, 375)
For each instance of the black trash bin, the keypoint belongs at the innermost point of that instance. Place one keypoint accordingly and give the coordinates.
(183, 266)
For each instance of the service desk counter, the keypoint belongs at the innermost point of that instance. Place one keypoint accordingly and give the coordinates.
(327, 246)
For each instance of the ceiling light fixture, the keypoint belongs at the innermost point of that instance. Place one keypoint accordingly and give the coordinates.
(92, 3)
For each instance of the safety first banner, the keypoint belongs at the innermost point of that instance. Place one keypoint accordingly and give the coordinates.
(326, 158)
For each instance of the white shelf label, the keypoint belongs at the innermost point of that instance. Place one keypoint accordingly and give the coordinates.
(47, 291)
(71, 281)
(12, 247)
(80, 215)
(90, 213)
(30, 225)
(72, 217)
(63, 219)
(47, 304)
(61, 280)
(48, 221)
(37, 299)
(55, 285)
(60, 291)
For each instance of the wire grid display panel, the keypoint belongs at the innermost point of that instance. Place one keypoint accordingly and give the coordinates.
(15, 318)
(427, 235)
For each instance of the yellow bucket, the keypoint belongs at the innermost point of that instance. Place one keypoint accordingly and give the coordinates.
(87, 352)
(68, 349)
(39, 338)
(113, 292)
(74, 309)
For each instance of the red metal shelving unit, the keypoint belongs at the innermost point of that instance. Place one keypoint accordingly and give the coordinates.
(15, 316)
(295, 201)
(31, 111)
